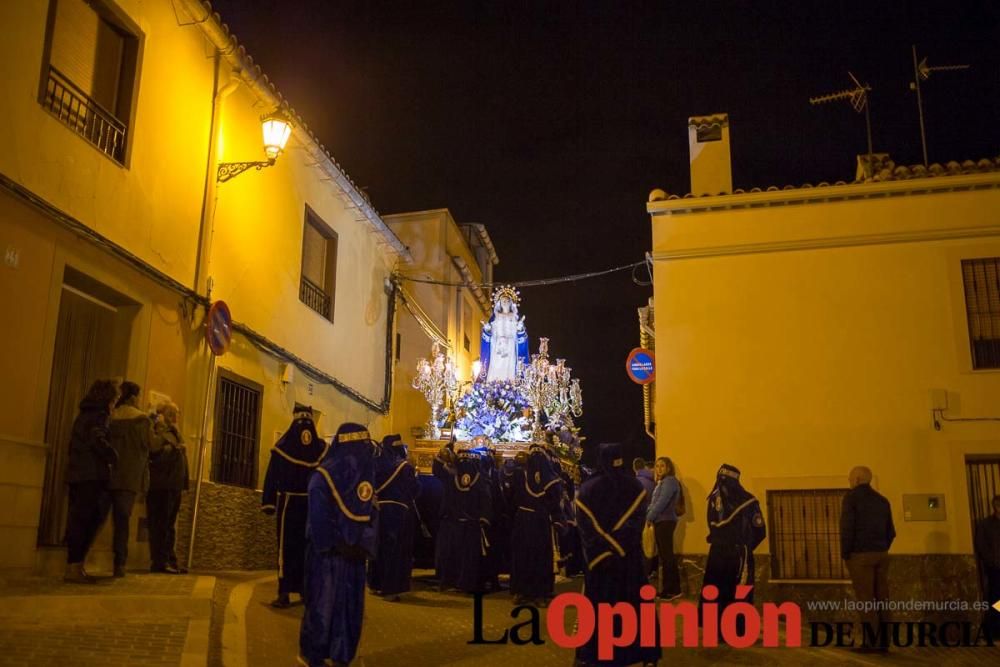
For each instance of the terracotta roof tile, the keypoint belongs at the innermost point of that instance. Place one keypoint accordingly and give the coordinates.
(877, 168)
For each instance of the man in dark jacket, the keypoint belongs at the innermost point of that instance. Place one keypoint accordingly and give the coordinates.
(168, 479)
(90, 461)
(866, 533)
(988, 551)
(132, 438)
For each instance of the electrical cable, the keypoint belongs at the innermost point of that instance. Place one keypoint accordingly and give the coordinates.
(939, 415)
(259, 340)
(527, 283)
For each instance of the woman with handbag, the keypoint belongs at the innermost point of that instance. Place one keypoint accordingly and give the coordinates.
(664, 510)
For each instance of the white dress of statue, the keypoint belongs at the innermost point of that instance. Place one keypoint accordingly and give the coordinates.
(504, 331)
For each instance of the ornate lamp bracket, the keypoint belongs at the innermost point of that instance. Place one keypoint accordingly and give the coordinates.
(229, 170)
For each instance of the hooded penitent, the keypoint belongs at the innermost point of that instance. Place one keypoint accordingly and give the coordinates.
(735, 528)
(611, 513)
(465, 513)
(533, 493)
(342, 532)
(396, 489)
(293, 460)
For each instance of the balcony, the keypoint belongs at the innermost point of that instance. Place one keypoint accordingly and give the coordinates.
(314, 297)
(64, 100)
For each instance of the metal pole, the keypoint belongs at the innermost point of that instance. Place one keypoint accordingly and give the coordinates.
(202, 446)
(920, 103)
(868, 121)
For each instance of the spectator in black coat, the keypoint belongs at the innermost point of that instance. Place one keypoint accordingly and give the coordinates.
(90, 461)
(866, 533)
(168, 479)
(131, 434)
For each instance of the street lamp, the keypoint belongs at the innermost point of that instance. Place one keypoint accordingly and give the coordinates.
(277, 128)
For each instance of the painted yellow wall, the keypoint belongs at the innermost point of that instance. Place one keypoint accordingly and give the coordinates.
(152, 209)
(798, 340)
(153, 205)
(255, 267)
(156, 357)
(433, 238)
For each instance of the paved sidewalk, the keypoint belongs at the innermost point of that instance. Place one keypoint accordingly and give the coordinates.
(143, 619)
(432, 628)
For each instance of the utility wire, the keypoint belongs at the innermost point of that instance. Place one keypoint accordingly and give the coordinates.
(528, 283)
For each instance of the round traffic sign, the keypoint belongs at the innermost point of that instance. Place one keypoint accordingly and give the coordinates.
(641, 366)
(219, 328)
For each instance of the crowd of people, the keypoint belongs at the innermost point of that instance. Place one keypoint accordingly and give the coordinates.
(117, 451)
(347, 518)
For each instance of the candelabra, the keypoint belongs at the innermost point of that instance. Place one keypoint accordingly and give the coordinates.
(549, 388)
(436, 380)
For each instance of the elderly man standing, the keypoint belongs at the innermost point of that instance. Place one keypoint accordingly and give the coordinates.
(866, 533)
(988, 551)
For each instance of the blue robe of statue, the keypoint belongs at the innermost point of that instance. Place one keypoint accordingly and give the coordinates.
(533, 493)
(293, 461)
(396, 489)
(462, 543)
(342, 533)
(611, 514)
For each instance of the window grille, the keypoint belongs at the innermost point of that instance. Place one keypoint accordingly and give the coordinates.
(237, 432)
(804, 529)
(982, 306)
(983, 477)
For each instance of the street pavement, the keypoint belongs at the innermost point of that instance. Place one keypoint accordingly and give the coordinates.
(143, 619)
(164, 621)
(432, 628)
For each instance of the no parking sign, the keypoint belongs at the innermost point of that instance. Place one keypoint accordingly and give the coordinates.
(641, 366)
(219, 328)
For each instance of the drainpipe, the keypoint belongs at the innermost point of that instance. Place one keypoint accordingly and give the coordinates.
(202, 280)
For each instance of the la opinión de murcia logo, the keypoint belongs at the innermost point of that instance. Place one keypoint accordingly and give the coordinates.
(740, 625)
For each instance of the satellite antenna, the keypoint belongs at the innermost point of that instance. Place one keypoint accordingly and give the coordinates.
(858, 97)
(922, 72)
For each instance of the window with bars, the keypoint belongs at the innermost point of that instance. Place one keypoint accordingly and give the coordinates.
(237, 431)
(981, 278)
(90, 74)
(804, 528)
(319, 265)
(983, 477)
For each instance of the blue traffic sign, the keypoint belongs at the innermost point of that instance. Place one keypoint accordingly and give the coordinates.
(641, 366)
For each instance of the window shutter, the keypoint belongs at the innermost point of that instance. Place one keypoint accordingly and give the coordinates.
(88, 51)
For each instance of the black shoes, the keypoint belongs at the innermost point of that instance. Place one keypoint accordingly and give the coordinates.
(119, 572)
(281, 602)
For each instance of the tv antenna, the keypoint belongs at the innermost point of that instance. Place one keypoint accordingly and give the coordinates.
(922, 72)
(858, 97)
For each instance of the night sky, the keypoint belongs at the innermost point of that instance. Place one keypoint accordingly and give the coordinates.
(550, 122)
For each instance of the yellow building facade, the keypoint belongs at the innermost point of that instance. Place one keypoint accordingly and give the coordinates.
(117, 233)
(449, 308)
(803, 331)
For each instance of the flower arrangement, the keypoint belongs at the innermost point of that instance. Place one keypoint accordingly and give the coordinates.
(493, 409)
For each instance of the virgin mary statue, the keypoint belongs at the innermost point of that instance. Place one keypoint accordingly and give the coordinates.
(504, 340)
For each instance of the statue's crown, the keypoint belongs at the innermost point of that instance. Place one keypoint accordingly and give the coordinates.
(506, 291)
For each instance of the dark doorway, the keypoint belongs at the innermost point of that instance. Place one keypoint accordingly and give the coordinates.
(92, 342)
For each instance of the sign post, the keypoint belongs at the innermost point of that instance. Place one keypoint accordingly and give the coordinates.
(218, 335)
(641, 366)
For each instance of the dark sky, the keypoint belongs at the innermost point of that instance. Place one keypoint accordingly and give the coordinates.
(550, 122)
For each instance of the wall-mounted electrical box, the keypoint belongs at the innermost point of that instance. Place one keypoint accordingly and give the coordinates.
(923, 507)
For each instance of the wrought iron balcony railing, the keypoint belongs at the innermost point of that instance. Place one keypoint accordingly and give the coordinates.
(314, 297)
(64, 100)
